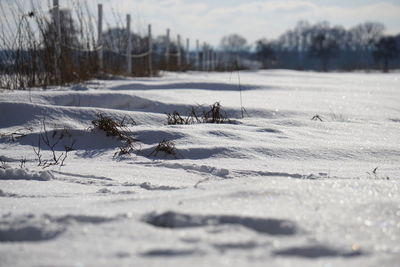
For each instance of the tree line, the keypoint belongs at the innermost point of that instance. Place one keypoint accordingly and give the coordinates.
(323, 47)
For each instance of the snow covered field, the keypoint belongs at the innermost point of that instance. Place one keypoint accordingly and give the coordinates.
(273, 189)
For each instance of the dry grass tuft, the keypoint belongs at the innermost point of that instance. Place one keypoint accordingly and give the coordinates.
(213, 114)
(166, 146)
(118, 128)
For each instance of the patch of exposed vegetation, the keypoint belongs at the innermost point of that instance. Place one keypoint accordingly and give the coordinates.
(117, 128)
(17, 134)
(199, 114)
(166, 146)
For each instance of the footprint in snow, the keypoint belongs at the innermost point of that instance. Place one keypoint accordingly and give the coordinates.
(317, 251)
(262, 225)
(171, 252)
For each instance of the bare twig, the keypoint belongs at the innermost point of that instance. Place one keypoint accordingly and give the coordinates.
(22, 162)
(2, 165)
(374, 171)
(316, 117)
(38, 152)
(51, 143)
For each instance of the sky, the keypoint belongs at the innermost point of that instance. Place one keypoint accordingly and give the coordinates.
(210, 20)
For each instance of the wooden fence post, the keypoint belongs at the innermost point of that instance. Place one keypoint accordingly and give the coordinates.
(210, 59)
(167, 50)
(197, 54)
(187, 53)
(179, 58)
(57, 31)
(215, 60)
(129, 46)
(204, 59)
(100, 37)
(150, 51)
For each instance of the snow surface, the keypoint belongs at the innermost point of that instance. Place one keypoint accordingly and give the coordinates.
(273, 189)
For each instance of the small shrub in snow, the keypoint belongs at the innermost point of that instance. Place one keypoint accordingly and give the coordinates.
(108, 125)
(114, 127)
(199, 115)
(119, 129)
(337, 117)
(374, 174)
(51, 142)
(165, 146)
(215, 114)
(22, 162)
(175, 118)
(333, 117)
(124, 150)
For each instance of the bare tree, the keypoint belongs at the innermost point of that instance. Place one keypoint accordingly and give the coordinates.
(234, 43)
(386, 50)
(325, 43)
(364, 36)
(234, 46)
(265, 52)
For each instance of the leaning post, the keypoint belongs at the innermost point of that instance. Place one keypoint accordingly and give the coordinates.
(100, 37)
(204, 59)
(179, 58)
(187, 52)
(197, 55)
(129, 46)
(167, 50)
(210, 59)
(57, 30)
(150, 51)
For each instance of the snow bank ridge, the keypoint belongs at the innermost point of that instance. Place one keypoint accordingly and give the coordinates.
(29, 227)
(221, 172)
(8, 173)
